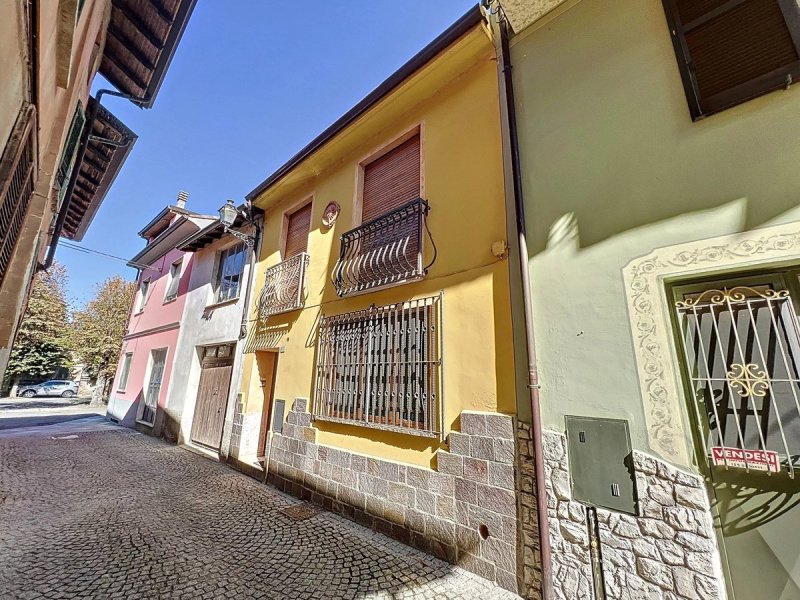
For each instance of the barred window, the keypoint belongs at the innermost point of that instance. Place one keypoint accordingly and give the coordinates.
(382, 367)
(742, 349)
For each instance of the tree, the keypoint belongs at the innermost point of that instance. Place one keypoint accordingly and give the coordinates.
(97, 331)
(41, 346)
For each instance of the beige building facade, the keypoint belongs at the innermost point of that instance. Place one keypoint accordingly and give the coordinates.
(60, 148)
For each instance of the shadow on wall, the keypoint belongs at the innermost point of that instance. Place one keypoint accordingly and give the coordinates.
(165, 426)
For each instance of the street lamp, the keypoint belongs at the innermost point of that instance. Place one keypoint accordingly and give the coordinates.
(227, 216)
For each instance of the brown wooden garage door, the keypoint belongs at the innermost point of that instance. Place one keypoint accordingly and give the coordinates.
(212, 396)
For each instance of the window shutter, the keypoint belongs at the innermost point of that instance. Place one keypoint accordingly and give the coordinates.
(69, 153)
(730, 51)
(391, 180)
(17, 174)
(297, 232)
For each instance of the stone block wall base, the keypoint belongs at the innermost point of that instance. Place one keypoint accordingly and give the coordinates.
(464, 511)
(669, 551)
(530, 546)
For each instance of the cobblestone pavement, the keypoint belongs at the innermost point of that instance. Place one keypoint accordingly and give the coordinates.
(116, 514)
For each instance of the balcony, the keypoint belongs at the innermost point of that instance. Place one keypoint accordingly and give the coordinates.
(385, 251)
(284, 285)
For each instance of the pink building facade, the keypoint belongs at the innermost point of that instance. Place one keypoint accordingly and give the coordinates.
(142, 382)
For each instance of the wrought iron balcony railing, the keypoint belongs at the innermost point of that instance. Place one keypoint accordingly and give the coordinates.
(385, 251)
(284, 286)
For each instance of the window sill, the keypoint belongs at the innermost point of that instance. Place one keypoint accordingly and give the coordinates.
(378, 425)
(140, 422)
(216, 305)
(169, 300)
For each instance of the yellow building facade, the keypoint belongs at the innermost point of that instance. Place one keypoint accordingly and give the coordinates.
(433, 466)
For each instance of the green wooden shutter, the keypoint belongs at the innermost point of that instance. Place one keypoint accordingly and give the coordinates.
(68, 154)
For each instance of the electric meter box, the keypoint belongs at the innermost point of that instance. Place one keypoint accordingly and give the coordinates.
(601, 463)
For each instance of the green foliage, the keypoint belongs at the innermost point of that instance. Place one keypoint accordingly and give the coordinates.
(42, 346)
(97, 330)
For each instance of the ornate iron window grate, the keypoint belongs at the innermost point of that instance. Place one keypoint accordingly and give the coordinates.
(384, 251)
(382, 367)
(284, 286)
(17, 173)
(742, 347)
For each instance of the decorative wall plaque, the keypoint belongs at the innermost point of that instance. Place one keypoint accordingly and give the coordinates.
(330, 214)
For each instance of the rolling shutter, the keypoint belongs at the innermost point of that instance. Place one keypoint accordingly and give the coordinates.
(391, 180)
(297, 232)
(730, 51)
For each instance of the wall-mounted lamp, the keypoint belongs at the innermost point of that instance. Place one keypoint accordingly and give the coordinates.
(227, 216)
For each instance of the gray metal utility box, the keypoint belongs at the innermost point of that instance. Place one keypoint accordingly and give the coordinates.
(600, 463)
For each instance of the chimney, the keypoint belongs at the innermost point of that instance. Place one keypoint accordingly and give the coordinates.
(182, 198)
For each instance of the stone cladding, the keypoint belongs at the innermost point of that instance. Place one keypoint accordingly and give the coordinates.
(463, 511)
(668, 552)
(530, 546)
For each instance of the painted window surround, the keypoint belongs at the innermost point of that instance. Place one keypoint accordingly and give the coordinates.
(650, 313)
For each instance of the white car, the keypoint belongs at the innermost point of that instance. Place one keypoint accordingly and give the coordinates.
(53, 387)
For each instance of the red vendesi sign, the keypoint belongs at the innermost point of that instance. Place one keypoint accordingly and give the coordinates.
(758, 460)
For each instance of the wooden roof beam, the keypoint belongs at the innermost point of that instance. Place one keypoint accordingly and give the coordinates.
(140, 25)
(126, 71)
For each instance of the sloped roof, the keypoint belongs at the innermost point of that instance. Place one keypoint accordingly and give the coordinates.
(100, 166)
(141, 40)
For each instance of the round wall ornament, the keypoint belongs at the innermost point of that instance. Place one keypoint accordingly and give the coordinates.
(330, 214)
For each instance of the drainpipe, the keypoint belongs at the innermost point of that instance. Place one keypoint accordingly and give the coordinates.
(255, 252)
(73, 178)
(518, 209)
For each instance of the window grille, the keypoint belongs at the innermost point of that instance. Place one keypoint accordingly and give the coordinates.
(385, 251)
(17, 175)
(382, 367)
(284, 286)
(742, 347)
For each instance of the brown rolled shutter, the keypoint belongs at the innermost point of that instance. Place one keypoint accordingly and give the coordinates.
(391, 180)
(297, 232)
(730, 51)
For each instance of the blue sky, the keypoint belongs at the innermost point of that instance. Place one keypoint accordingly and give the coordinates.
(250, 84)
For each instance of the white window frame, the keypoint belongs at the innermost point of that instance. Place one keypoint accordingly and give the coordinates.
(173, 279)
(127, 360)
(220, 265)
(143, 295)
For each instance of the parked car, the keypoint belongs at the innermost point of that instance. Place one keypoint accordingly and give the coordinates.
(53, 387)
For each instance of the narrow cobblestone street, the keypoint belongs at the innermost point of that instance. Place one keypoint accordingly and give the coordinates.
(115, 514)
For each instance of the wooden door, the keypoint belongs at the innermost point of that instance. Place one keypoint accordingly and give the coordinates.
(212, 397)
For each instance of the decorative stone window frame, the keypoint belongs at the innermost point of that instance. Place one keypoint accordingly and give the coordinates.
(650, 314)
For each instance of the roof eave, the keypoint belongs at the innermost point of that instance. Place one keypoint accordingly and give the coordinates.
(461, 27)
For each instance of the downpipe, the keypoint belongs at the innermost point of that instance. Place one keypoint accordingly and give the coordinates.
(533, 386)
